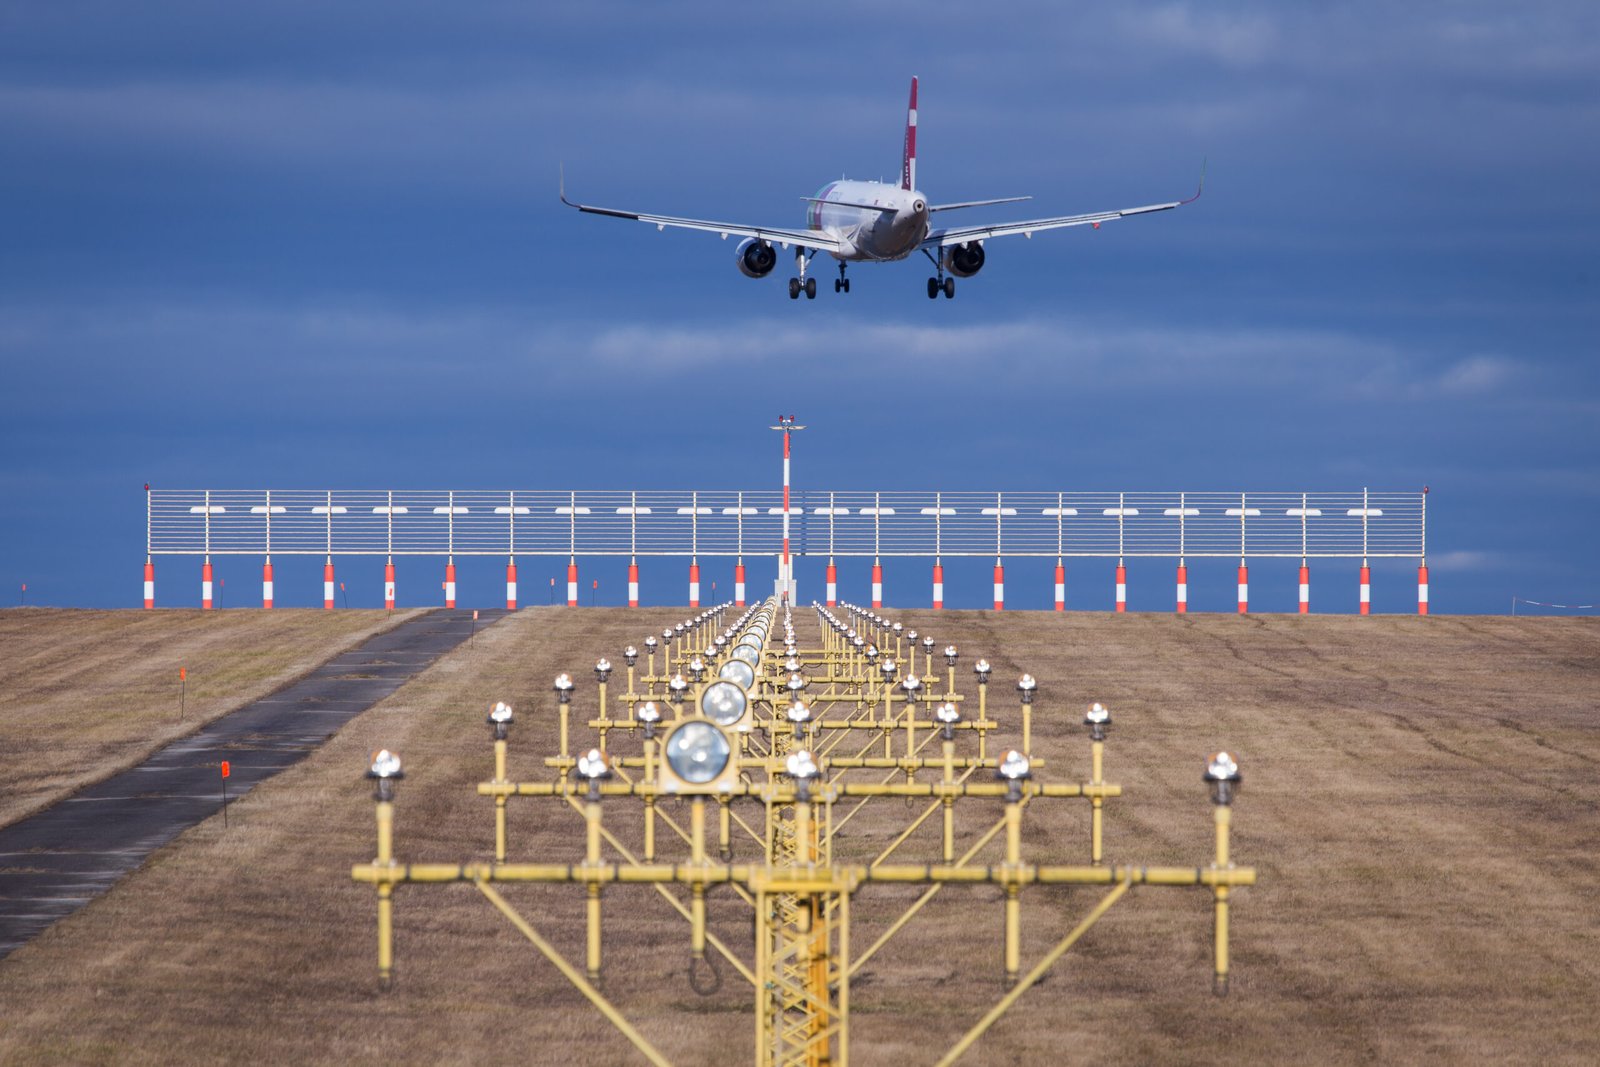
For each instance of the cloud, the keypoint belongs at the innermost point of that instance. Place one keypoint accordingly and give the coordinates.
(1466, 560)
(1478, 374)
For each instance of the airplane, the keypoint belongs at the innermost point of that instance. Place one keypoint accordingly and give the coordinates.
(877, 222)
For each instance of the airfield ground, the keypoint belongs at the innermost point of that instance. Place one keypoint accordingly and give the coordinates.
(1421, 801)
(84, 694)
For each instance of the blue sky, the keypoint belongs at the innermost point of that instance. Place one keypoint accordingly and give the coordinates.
(302, 245)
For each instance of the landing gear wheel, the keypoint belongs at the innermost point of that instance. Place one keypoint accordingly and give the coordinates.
(838, 285)
(847, 285)
(949, 288)
(794, 288)
(933, 288)
(811, 288)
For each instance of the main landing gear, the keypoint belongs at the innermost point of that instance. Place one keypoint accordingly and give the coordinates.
(802, 283)
(941, 284)
(841, 284)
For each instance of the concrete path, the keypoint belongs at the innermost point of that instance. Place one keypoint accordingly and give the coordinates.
(55, 862)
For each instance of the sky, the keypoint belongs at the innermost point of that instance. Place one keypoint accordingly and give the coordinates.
(303, 245)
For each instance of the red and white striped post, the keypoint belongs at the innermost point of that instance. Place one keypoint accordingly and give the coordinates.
(572, 582)
(999, 585)
(266, 584)
(786, 424)
(877, 585)
(1305, 588)
(833, 584)
(633, 582)
(938, 584)
(388, 584)
(1366, 588)
(738, 583)
(694, 583)
(1244, 588)
(1061, 586)
(450, 582)
(1422, 563)
(1183, 587)
(511, 584)
(205, 585)
(327, 584)
(149, 583)
(1122, 586)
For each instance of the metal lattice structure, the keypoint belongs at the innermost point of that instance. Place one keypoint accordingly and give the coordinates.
(1357, 524)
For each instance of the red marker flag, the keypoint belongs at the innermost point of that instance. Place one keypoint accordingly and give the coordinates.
(183, 672)
(474, 614)
(225, 768)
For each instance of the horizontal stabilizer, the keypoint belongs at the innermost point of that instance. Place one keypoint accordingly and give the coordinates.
(979, 203)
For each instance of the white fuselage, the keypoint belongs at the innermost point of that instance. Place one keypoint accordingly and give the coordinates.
(864, 232)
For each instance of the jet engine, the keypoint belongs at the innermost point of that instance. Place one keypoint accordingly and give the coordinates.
(964, 260)
(757, 257)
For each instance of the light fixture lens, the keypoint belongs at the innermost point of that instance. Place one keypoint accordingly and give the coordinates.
(723, 703)
(947, 713)
(1027, 684)
(594, 765)
(648, 712)
(739, 672)
(1222, 768)
(981, 667)
(1014, 767)
(1098, 715)
(802, 767)
(501, 712)
(385, 764)
(563, 683)
(697, 752)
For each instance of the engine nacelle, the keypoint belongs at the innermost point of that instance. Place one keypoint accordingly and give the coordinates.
(964, 260)
(756, 258)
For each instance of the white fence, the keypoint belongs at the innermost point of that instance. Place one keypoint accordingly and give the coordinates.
(1358, 524)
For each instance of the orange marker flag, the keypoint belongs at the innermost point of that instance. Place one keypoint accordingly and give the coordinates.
(226, 769)
(183, 673)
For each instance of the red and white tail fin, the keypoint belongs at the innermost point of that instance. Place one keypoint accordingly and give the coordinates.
(908, 160)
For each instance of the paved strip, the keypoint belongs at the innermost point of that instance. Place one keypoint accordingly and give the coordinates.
(55, 862)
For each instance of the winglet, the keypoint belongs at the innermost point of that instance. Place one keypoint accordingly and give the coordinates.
(561, 187)
(1202, 187)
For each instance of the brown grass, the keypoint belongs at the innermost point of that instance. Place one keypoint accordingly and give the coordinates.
(1421, 802)
(84, 694)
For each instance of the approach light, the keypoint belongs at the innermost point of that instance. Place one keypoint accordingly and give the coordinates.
(563, 688)
(630, 655)
(593, 767)
(697, 755)
(697, 669)
(386, 770)
(1097, 720)
(981, 669)
(1027, 687)
(797, 682)
(739, 672)
(649, 715)
(650, 645)
(1222, 775)
(1014, 768)
(950, 655)
(948, 715)
(724, 703)
(500, 717)
(602, 670)
(802, 767)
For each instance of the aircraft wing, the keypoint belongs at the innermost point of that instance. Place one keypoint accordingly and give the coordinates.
(943, 238)
(816, 239)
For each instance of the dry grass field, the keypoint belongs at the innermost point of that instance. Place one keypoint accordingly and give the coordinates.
(1421, 802)
(84, 694)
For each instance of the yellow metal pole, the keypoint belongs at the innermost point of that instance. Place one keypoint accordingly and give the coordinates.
(724, 828)
(697, 851)
(385, 892)
(1027, 728)
(1220, 984)
(1013, 892)
(1096, 803)
(591, 818)
(983, 721)
(949, 801)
